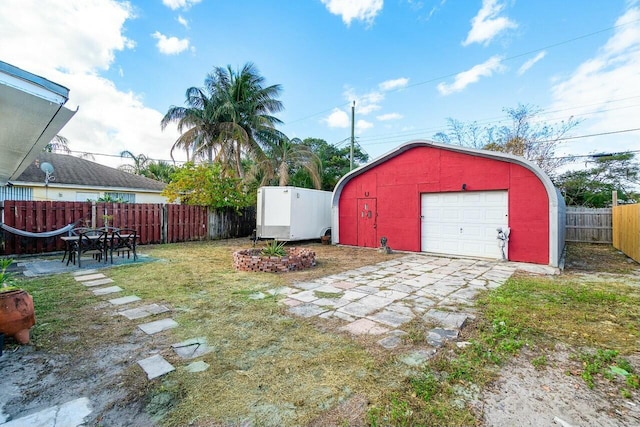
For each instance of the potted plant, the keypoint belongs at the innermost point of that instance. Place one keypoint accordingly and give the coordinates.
(16, 307)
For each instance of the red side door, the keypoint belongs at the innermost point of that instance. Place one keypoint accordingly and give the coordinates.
(367, 223)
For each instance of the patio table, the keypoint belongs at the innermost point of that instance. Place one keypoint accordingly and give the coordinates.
(99, 242)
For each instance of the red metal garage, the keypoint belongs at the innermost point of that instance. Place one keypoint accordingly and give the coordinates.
(432, 197)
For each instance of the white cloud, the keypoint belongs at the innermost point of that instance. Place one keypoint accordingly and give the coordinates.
(365, 104)
(180, 4)
(527, 65)
(362, 125)
(487, 24)
(600, 91)
(182, 21)
(109, 120)
(360, 10)
(337, 119)
(465, 78)
(36, 35)
(394, 84)
(389, 116)
(170, 45)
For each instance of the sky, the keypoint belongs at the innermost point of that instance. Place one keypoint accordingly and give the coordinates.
(409, 65)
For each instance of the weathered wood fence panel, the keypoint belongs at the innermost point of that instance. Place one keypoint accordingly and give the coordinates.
(155, 223)
(229, 223)
(626, 230)
(38, 217)
(186, 223)
(589, 225)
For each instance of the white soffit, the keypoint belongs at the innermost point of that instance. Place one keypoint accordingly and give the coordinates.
(31, 115)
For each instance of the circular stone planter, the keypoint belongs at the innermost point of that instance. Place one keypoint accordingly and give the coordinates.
(253, 260)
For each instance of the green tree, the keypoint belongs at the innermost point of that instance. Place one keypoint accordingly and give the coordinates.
(335, 163)
(207, 185)
(525, 136)
(159, 170)
(59, 144)
(593, 187)
(139, 162)
(284, 156)
(230, 117)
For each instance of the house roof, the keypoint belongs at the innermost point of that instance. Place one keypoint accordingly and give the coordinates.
(31, 114)
(70, 170)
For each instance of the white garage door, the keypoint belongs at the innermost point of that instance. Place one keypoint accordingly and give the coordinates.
(463, 223)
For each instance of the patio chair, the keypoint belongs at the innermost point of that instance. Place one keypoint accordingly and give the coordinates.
(122, 241)
(93, 242)
(71, 247)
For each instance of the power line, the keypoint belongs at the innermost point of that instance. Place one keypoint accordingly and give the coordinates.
(117, 155)
(498, 120)
(559, 139)
(458, 72)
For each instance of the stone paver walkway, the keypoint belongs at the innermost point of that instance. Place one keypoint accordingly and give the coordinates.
(382, 298)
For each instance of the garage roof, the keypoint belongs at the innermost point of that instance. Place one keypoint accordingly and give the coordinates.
(31, 114)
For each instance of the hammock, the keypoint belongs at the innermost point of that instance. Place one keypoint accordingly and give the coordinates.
(45, 234)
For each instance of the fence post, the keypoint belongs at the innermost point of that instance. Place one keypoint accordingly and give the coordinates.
(164, 219)
(93, 214)
(614, 198)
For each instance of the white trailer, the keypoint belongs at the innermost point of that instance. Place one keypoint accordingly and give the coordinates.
(292, 213)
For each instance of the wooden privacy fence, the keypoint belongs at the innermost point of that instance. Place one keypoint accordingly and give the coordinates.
(589, 225)
(155, 223)
(626, 230)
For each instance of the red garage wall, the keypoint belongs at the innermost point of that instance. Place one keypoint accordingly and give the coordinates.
(397, 183)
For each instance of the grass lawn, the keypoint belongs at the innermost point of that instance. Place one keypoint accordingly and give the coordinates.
(275, 369)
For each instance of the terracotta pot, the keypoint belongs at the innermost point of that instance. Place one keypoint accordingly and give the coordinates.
(16, 314)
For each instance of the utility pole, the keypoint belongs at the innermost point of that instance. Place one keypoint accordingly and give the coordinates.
(353, 116)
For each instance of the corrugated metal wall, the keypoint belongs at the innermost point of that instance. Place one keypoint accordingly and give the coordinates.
(15, 193)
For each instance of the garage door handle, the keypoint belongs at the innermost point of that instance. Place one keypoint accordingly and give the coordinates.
(460, 229)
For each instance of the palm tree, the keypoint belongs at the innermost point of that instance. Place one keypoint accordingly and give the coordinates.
(139, 162)
(285, 155)
(58, 144)
(228, 118)
(160, 171)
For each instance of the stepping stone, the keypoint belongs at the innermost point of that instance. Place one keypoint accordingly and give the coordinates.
(83, 272)
(292, 302)
(124, 300)
(418, 357)
(446, 319)
(307, 310)
(98, 282)
(190, 349)
(197, 366)
(86, 277)
(390, 342)
(391, 318)
(158, 326)
(106, 291)
(437, 336)
(70, 414)
(155, 366)
(364, 327)
(143, 311)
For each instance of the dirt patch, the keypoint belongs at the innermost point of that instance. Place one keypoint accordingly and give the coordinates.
(33, 380)
(526, 396)
(587, 257)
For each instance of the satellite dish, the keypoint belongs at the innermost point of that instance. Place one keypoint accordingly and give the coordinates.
(47, 168)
